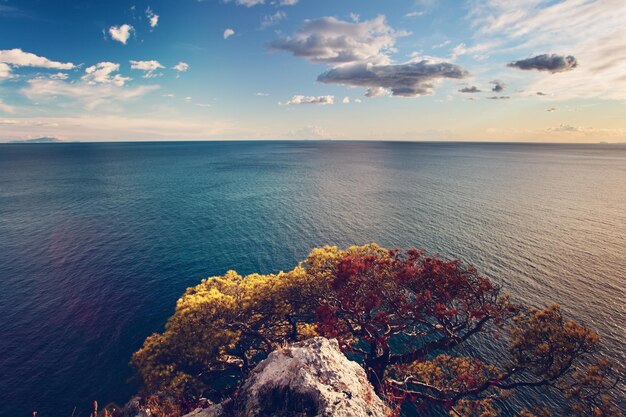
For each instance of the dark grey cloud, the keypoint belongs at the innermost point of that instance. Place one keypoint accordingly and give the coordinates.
(551, 63)
(472, 89)
(406, 80)
(358, 53)
(498, 86)
(498, 98)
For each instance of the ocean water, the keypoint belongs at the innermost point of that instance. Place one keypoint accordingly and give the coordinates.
(97, 241)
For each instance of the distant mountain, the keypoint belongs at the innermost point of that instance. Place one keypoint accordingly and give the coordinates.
(38, 140)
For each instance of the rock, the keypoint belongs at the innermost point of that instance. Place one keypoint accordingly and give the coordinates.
(133, 408)
(312, 378)
(216, 410)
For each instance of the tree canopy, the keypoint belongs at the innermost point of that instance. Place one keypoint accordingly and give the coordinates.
(406, 316)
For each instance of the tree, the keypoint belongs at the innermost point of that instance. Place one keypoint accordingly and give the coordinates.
(394, 307)
(403, 315)
(221, 328)
(544, 351)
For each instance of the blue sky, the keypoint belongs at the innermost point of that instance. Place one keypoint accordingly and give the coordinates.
(532, 70)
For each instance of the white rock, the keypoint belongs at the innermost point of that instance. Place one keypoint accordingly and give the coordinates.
(212, 411)
(310, 378)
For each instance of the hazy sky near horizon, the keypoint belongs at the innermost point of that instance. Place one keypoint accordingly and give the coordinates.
(496, 70)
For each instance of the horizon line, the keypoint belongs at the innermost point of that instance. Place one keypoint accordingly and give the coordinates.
(67, 142)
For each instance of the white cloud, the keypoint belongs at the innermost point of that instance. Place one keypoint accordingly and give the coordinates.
(121, 33)
(359, 56)
(299, 99)
(414, 14)
(592, 31)
(272, 19)
(247, 3)
(418, 57)
(18, 58)
(477, 51)
(377, 92)
(149, 67)
(90, 94)
(334, 41)
(564, 128)
(153, 18)
(181, 67)
(106, 127)
(5, 70)
(59, 76)
(228, 33)
(101, 73)
(261, 94)
(346, 100)
(287, 2)
(442, 44)
(11, 11)
(5, 108)
(308, 132)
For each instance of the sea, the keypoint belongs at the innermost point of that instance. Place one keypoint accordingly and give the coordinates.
(98, 240)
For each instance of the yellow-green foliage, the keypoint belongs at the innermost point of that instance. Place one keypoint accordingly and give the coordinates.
(228, 322)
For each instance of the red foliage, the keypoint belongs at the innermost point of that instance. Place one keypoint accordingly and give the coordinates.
(416, 303)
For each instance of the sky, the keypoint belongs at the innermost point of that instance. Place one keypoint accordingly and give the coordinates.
(436, 70)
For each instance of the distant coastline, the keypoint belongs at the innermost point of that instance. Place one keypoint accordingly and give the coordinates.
(44, 139)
